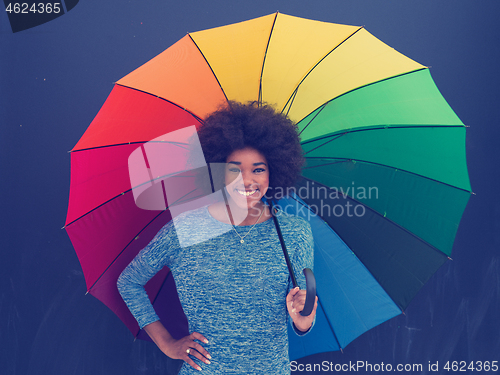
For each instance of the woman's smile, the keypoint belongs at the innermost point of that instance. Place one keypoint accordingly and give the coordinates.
(247, 193)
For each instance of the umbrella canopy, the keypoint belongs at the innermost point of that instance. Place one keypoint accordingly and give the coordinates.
(384, 186)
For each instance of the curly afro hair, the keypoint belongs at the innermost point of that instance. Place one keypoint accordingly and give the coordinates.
(237, 126)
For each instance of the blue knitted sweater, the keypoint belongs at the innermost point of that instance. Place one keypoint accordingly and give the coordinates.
(233, 293)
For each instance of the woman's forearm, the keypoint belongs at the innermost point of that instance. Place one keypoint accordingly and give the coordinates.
(159, 334)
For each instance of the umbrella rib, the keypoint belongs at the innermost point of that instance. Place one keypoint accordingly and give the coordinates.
(180, 144)
(344, 160)
(393, 223)
(376, 213)
(264, 60)
(333, 137)
(314, 117)
(126, 192)
(339, 161)
(376, 127)
(152, 220)
(95, 208)
(169, 273)
(159, 97)
(208, 64)
(320, 304)
(360, 87)
(127, 245)
(319, 300)
(290, 100)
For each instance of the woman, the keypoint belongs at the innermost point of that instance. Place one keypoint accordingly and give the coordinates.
(232, 280)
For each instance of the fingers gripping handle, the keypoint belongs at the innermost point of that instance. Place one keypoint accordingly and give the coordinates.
(311, 292)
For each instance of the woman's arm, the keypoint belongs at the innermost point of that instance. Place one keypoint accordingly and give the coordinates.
(131, 284)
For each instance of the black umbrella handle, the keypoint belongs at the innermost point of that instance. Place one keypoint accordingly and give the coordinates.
(311, 292)
(308, 273)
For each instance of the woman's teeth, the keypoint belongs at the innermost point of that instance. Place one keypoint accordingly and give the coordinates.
(246, 193)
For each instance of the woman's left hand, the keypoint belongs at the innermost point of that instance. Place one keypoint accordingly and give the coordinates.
(295, 301)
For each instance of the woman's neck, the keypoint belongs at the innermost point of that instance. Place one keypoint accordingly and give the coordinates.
(231, 214)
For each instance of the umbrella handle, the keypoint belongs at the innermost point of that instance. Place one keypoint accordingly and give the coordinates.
(308, 273)
(311, 292)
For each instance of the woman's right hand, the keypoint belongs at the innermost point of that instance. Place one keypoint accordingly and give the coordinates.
(186, 347)
(183, 348)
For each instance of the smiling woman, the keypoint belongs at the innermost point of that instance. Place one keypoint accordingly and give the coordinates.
(262, 155)
(232, 278)
(258, 127)
(246, 181)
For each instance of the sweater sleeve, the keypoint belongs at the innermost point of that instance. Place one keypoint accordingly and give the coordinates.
(160, 252)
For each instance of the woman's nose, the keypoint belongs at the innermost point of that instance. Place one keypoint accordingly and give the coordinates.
(247, 178)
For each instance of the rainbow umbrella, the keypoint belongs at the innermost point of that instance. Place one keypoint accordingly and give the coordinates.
(384, 187)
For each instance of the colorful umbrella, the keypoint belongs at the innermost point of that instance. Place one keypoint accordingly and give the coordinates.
(384, 187)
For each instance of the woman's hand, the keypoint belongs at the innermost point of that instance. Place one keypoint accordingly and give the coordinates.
(186, 347)
(295, 301)
(179, 349)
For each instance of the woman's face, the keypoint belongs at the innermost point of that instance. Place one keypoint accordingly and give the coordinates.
(246, 177)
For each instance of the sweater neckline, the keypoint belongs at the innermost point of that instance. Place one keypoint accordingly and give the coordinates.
(234, 226)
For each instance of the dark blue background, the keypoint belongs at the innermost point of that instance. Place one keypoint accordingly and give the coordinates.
(54, 79)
